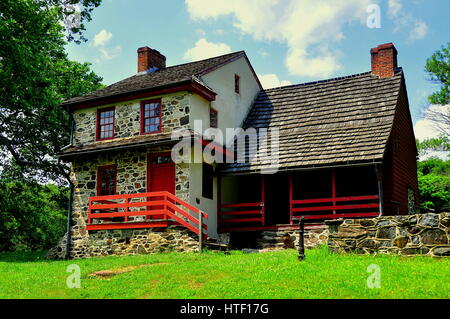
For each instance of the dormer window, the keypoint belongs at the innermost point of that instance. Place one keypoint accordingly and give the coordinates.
(105, 123)
(237, 83)
(151, 116)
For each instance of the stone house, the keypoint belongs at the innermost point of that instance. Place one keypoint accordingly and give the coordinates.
(346, 149)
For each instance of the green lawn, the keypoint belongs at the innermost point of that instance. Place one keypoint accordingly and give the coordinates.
(217, 275)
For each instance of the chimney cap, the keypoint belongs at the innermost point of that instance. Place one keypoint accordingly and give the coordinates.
(384, 46)
(146, 49)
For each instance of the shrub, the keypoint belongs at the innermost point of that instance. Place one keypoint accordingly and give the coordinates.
(32, 216)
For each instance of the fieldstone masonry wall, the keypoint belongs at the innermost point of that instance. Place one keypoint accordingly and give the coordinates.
(131, 178)
(427, 234)
(175, 114)
(130, 242)
(284, 239)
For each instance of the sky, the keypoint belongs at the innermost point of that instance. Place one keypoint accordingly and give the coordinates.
(287, 41)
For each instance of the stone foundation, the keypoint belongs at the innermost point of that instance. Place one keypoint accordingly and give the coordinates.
(128, 242)
(427, 234)
(284, 239)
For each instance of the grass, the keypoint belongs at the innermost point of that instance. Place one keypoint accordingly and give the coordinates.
(217, 275)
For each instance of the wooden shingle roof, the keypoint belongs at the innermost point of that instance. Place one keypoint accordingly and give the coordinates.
(326, 123)
(163, 78)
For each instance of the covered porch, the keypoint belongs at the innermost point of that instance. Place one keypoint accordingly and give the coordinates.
(255, 202)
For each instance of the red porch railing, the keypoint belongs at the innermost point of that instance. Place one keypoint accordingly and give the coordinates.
(233, 216)
(143, 210)
(336, 207)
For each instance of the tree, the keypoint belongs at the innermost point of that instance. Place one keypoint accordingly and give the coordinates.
(32, 216)
(434, 184)
(35, 77)
(433, 144)
(438, 68)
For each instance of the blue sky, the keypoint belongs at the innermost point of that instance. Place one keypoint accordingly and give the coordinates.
(287, 41)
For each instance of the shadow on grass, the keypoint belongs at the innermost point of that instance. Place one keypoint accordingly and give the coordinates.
(23, 256)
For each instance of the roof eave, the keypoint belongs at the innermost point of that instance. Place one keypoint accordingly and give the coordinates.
(187, 85)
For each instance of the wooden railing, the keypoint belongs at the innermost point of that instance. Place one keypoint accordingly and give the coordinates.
(337, 207)
(239, 215)
(143, 210)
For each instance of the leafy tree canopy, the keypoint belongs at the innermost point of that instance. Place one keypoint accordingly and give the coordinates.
(434, 184)
(35, 77)
(438, 67)
(435, 144)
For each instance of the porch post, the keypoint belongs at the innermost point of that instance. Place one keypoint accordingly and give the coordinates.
(290, 200)
(380, 188)
(219, 194)
(333, 187)
(263, 200)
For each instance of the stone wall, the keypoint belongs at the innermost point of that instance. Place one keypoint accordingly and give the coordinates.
(175, 114)
(129, 242)
(131, 178)
(284, 239)
(427, 234)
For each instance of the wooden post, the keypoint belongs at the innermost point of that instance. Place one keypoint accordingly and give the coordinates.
(200, 231)
(301, 241)
(263, 200)
(380, 189)
(290, 200)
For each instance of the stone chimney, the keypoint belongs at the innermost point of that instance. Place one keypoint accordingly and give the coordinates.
(149, 58)
(384, 60)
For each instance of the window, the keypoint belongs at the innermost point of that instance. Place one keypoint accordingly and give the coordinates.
(150, 116)
(236, 83)
(105, 124)
(213, 118)
(106, 180)
(207, 181)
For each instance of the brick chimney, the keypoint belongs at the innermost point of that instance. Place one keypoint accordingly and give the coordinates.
(149, 58)
(384, 60)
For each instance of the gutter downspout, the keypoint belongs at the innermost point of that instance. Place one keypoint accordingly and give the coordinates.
(69, 221)
(71, 187)
(380, 189)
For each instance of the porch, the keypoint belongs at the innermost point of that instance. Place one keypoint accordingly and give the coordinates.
(277, 202)
(144, 210)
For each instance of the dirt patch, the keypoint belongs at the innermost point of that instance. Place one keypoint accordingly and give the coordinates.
(108, 273)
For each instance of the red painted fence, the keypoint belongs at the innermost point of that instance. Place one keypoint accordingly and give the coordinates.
(159, 209)
(336, 207)
(238, 215)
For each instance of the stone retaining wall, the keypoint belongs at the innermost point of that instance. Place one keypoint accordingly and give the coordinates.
(422, 234)
(129, 242)
(284, 239)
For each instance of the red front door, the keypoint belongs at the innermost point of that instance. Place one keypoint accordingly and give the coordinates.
(160, 176)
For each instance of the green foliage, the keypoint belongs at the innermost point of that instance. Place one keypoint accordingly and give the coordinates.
(35, 77)
(436, 144)
(438, 67)
(32, 216)
(434, 184)
(270, 275)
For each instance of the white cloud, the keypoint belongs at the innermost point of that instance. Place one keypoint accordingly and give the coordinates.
(102, 38)
(269, 81)
(394, 7)
(419, 31)
(426, 128)
(204, 49)
(109, 53)
(403, 20)
(263, 53)
(311, 29)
